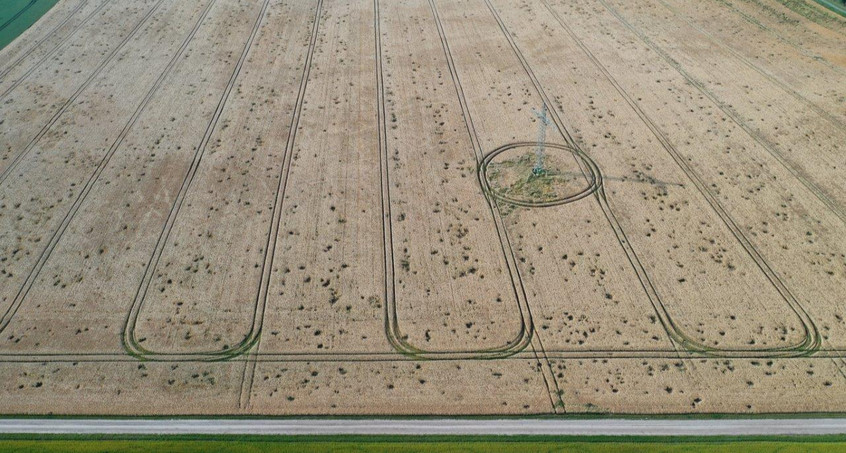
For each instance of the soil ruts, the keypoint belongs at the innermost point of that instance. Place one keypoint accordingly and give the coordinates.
(334, 207)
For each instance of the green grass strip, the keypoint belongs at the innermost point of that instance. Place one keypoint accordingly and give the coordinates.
(838, 6)
(403, 444)
(16, 16)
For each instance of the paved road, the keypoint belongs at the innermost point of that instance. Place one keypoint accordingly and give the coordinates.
(513, 426)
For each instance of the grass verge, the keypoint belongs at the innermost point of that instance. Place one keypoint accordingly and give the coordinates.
(838, 6)
(16, 16)
(402, 444)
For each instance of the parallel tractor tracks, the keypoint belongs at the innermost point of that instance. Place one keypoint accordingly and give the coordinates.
(811, 339)
(13, 64)
(392, 327)
(515, 349)
(90, 79)
(94, 178)
(52, 51)
(835, 122)
(18, 14)
(270, 247)
(752, 20)
(130, 340)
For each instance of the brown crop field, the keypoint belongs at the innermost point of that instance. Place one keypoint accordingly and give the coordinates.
(424, 207)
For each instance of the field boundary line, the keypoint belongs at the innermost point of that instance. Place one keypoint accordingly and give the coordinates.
(95, 176)
(783, 16)
(276, 213)
(19, 157)
(44, 38)
(395, 356)
(834, 7)
(130, 343)
(17, 15)
(503, 429)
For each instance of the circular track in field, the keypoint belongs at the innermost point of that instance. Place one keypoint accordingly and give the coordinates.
(568, 175)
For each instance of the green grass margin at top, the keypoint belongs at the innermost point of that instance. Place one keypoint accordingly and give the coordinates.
(25, 21)
(833, 6)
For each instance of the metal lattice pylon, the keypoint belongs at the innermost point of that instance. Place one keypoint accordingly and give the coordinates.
(544, 122)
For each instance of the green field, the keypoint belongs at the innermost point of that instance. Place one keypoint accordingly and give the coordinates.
(18, 15)
(436, 444)
(838, 6)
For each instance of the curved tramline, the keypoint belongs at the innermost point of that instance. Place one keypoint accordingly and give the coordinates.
(525, 343)
(811, 339)
(592, 176)
(130, 335)
(56, 236)
(421, 208)
(393, 329)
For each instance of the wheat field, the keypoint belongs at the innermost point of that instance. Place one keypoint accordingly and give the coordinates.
(424, 207)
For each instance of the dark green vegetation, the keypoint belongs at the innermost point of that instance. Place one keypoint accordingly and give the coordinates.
(838, 6)
(414, 444)
(18, 15)
(815, 14)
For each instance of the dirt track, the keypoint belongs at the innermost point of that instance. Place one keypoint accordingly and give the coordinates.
(437, 426)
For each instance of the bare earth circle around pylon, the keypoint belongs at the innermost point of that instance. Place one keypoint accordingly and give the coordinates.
(569, 175)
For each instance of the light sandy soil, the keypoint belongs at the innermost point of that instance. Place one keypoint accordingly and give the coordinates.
(281, 207)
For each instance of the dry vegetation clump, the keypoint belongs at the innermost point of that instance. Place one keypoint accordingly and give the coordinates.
(516, 179)
(329, 207)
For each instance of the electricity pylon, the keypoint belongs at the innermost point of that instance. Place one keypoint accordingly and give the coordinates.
(538, 169)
